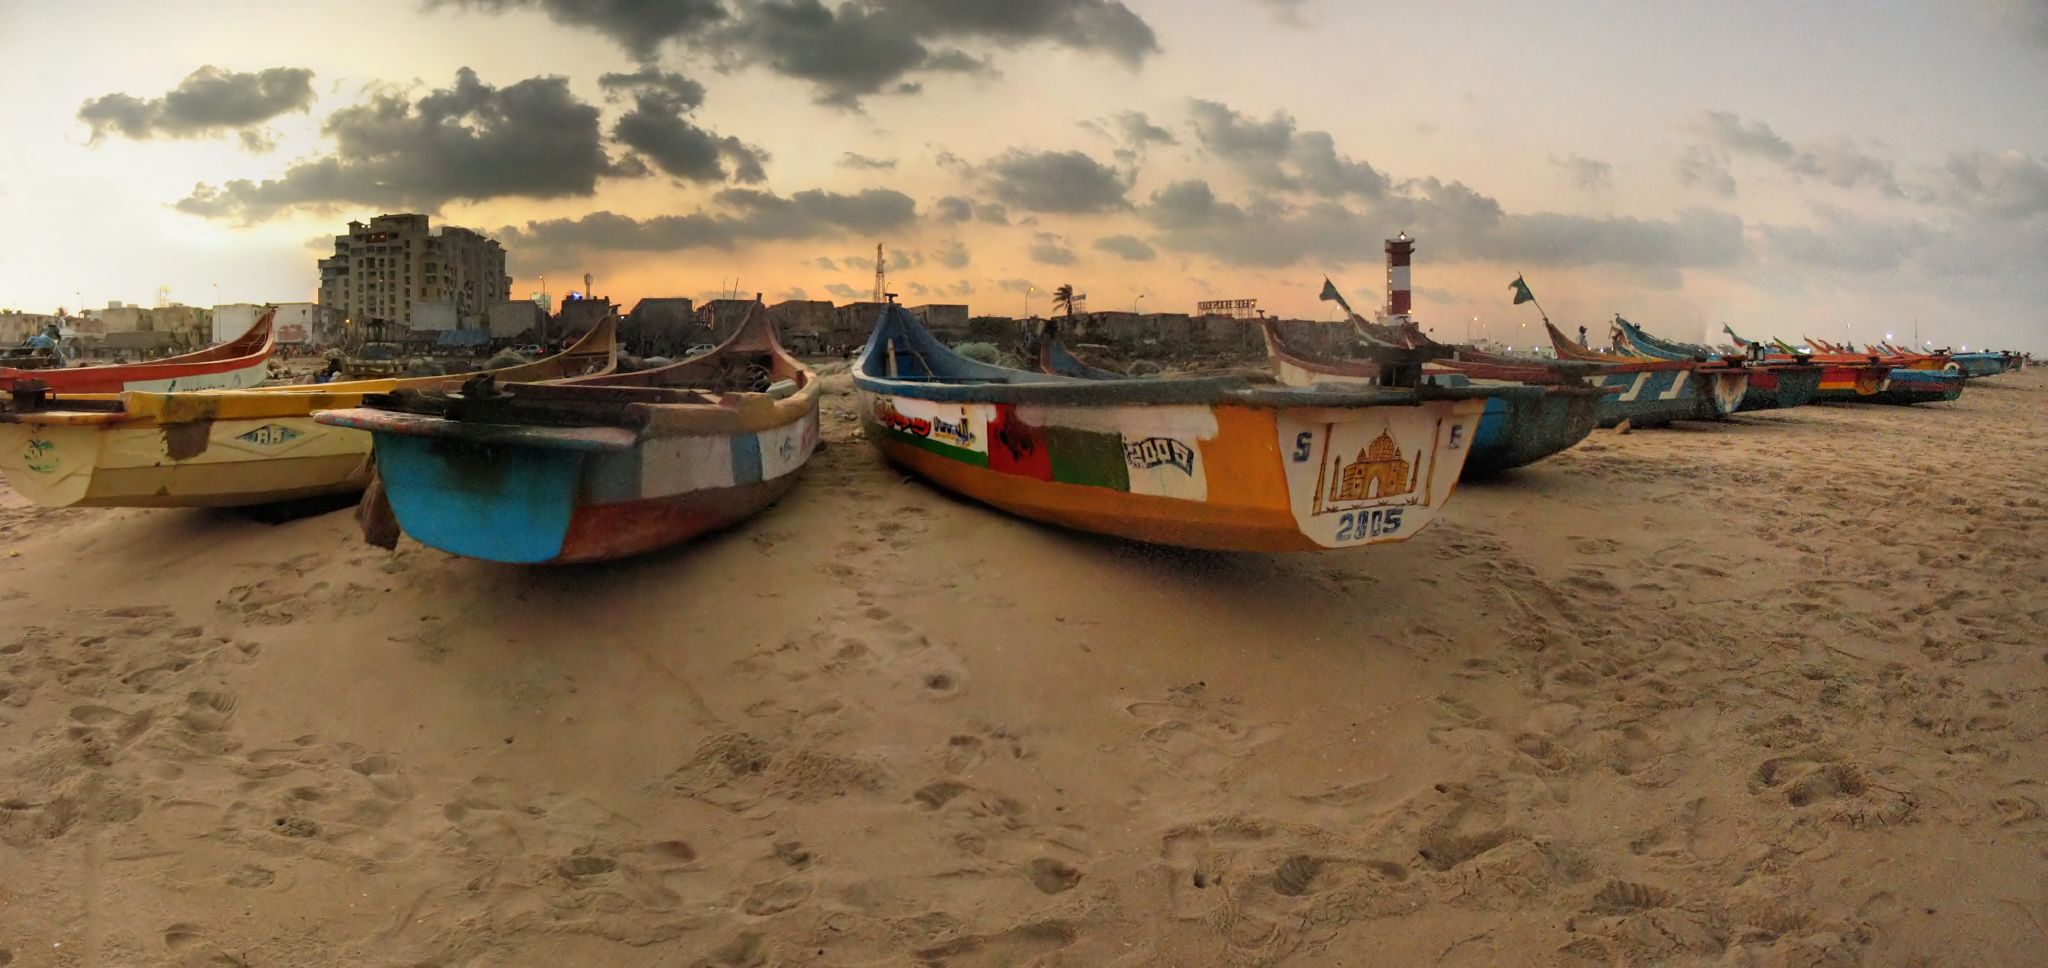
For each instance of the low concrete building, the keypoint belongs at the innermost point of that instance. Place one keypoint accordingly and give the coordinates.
(121, 318)
(230, 321)
(723, 316)
(435, 316)
(945, 319)
(304, 323)
(661, 326)
(579, 315)
(515, 319)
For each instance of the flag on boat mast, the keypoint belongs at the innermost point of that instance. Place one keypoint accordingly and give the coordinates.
(1523, 295)
(1331, 294)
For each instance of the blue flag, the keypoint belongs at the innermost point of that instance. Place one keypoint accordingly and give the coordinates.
(1522, 293)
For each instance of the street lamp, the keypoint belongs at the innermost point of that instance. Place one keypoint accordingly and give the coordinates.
(1134, 304)
(1028, 290)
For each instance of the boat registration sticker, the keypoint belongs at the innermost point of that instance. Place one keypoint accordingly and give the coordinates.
(1167, 467)
(1370, 475)
(955, 427)
(270, 435)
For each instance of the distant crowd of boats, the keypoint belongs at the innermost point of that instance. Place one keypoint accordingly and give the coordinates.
(570, 460)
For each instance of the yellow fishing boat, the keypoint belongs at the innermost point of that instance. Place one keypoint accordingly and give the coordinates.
(218, 448)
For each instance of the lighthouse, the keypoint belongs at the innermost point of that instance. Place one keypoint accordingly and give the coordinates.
(1399, 249)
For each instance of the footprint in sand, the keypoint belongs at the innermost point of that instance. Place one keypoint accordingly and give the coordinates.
(1195, 735)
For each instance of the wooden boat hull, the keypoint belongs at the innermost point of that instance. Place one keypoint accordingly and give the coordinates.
(237, 364)
(1720, 391)
(1780, 387)
(1219, 477)
(551, 505)
(1905, 387)
(214, 463)
(1850, 382)
(597, 468)
(213, 449)
(1648, 398)
(1978, 365)
(1552, 413)
(1517, 432)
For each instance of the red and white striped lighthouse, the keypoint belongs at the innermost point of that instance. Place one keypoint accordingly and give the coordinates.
(1398, 250)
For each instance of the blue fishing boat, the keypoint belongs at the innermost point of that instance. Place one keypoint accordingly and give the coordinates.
(1643, 393)
(1772, 386)
(599, 467)
(1514, 430)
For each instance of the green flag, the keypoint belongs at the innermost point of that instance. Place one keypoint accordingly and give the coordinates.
(1522, 293)
(1331, 294)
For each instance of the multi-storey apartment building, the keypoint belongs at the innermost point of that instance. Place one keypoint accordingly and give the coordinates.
(383, 271)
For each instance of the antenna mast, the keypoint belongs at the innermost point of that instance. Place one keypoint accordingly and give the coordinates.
(881, 275)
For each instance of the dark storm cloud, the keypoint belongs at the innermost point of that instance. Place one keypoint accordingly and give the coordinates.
(1455, 222)
(1051, 250)
(1133, 132)
(1587, 173)
(1138, 129)
(1844, 241)
(658, 129)
(748, 216)
(469, 141)
(953, 208)
(860, 162)
(1839, 163)
(2010, 184)
(1273, 154)
(1703, 167)
(846, 53)
(676, 85)
(639, 26)
(849, 50)
(1129, 247)
(208, 101)
(1056, 181)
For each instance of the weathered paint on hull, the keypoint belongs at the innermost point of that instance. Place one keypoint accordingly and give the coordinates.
(1778, 388)
(1849, 384)
(236, 463)
(1720, 391)
(1225, 477)
(241, 379)
(528, 508)
(1907, 387)
(1514, 433)
(542, 505)
(1649, 398)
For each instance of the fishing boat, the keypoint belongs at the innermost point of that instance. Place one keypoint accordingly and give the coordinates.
(1643, 393)
(1514, 430)
(1901, 379)
(1203, 462)
(240, 362)
(1842, 378)
(214, 448)
(595, 468)
(1717, 386)
(1772, 386)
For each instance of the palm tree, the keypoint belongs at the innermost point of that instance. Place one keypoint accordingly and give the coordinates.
(1064, 298)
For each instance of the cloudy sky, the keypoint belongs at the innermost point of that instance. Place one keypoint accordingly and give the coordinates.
(1827, 169)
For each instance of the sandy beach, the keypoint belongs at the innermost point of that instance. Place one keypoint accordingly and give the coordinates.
(1769, 692)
